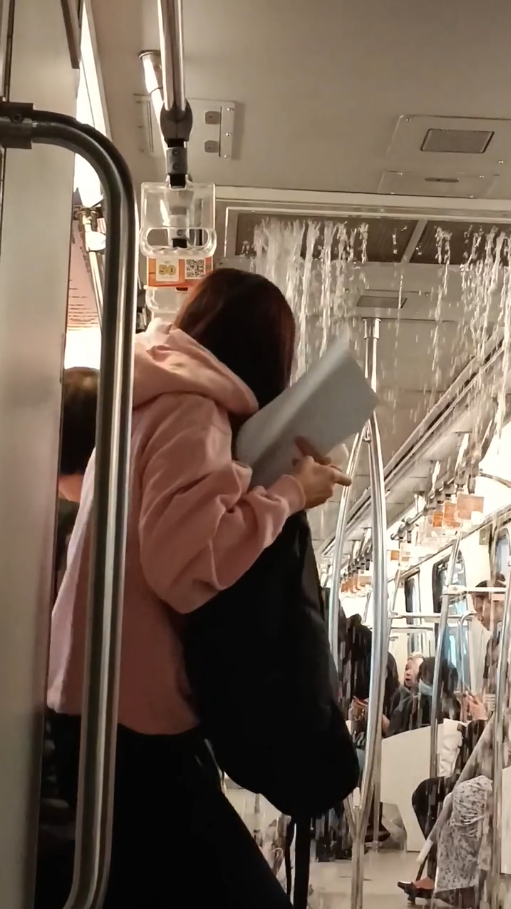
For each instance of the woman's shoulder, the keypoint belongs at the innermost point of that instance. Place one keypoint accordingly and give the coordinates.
(182, 409)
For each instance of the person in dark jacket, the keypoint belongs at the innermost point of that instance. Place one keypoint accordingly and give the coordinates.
(78, 439)
(355, 679)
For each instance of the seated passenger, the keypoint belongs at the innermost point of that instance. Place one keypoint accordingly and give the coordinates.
(411, 675)
(462, 833)
(402, 691)
(355, 673)
(489, 606)
(489, 610)
(428, 798)
(195, 526)
(414, 711)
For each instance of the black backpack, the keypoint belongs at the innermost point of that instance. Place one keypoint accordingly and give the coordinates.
(266, 688)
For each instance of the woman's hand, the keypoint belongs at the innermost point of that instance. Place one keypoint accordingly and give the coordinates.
(317, 476)
(358, 708)
(475, 708)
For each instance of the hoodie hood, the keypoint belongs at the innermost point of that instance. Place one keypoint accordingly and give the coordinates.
(167, 361)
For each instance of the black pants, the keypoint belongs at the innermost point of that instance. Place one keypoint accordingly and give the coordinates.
(177, 841)
(427, 801)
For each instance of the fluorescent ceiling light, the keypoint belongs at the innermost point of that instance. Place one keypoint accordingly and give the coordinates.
(153, 78)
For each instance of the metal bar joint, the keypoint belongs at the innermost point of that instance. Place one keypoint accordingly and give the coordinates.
(16, 125)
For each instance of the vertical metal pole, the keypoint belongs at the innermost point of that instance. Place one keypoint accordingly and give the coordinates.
(380, 627)
(170, 18)
(378, 660)
(439, 656)
(372, 334)
(377, 775)
(501, 708)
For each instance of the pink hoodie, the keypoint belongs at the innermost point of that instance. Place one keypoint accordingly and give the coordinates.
(194, 527)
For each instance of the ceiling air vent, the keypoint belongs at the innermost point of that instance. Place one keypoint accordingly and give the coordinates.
(450, 180)
(380, 299)
(457, 141)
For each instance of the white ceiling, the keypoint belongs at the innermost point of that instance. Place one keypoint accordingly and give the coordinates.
(319, 86)
(322, 91)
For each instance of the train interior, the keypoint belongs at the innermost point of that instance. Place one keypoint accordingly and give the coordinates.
(360, 156)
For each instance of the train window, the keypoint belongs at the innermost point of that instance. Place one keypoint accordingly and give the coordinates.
(439, 580)
(501, 554)
(412, 604)
(455, 649)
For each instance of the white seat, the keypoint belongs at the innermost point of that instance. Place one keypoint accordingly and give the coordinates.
(405, 764)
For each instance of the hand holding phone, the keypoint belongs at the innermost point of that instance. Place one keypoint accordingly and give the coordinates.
(475, 707)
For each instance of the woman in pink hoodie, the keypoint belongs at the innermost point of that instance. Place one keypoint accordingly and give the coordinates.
(195, 526)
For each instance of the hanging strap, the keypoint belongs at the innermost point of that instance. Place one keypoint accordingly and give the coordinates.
(302, 861)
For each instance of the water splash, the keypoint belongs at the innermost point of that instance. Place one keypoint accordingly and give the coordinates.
(320, 268)
(326, 285)
(443, 258)
(317, 267)
(505, 312)
(304, 339)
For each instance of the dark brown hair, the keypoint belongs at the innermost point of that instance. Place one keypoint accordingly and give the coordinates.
(247, 323)
(79, 404)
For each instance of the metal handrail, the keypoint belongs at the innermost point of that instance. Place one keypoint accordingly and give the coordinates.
(442, 630)
(435, 617)
(170, 19)
(109, 513)
(501, 705)
(411, 629)
(491, 476)
(340, 530)
(378, 659)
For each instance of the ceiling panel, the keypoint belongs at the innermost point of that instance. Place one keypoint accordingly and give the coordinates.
(320, 87)
(321, 91)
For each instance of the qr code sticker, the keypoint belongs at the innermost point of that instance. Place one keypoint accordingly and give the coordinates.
(195, 268)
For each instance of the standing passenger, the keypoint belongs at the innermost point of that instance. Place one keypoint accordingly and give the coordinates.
(55, 846)
(195, 526)
(78, 438)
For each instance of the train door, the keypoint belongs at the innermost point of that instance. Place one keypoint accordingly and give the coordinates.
(35, 213)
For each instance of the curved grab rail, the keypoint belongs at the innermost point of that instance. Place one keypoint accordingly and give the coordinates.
(109, 514)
